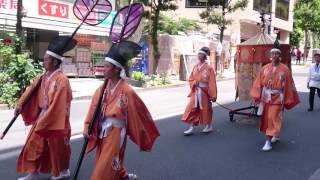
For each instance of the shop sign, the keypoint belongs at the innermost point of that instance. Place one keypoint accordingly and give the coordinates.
(8, 4)
(53, 9)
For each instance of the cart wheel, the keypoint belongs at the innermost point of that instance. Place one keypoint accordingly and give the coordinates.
(231, 117)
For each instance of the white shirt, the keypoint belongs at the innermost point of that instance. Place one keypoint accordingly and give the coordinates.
(314, 76)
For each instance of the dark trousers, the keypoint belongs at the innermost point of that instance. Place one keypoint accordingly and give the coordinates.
(298, 60)
(311, 95)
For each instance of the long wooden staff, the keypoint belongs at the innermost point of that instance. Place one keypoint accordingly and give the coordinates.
(133, 13)
(90, 129)
(23, 105)
(98, 108)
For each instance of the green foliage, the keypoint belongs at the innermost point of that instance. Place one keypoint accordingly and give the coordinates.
(8, 90)
(16, 73)
(307, 18)
(217, 10)
(173, 27)
(296, 36)
(188, 24)
(214, 16)
(159, 80)
(137, 75)
(131, 62)
(164, 78)
(307, 15)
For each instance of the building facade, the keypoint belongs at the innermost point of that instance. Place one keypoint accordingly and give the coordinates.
(45, 19)
(279, 13)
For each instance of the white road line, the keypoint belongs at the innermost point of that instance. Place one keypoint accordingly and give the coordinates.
(76, 136)
(167, 116)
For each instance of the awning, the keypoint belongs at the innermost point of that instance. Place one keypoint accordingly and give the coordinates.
(53, 25)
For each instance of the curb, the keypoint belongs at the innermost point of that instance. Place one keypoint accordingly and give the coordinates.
(3, 107)
(174, 85)
(151, 88)
(88, 97)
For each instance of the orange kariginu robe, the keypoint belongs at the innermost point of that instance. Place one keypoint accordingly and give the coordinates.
(123, 114)
(274, 89)
(47, 148)
(203, 86)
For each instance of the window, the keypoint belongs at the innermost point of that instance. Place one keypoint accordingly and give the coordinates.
(262, 4)
(282, 9)
(196, 4)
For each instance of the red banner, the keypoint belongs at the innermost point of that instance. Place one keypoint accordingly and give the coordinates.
(53, 9)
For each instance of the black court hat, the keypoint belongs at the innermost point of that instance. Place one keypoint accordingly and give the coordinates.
(59, 45)
(205, 51)
(276, 46)
(121, 52)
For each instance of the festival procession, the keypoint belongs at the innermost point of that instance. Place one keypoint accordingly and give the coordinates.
(152, 90)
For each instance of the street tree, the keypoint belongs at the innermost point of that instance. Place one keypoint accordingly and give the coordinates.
(217, 10)
(176, 26)
(16, 72)
(156, 7)
(307, 17)
(19, 26)
(296, 35)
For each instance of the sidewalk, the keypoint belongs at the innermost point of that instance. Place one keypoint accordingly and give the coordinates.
(84, 88)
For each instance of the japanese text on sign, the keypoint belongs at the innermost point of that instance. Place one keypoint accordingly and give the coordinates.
(8, 4)
(53, 9)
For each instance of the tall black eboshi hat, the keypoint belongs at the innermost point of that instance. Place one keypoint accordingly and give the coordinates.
(205, 51)
(60, 45)
(276, 46)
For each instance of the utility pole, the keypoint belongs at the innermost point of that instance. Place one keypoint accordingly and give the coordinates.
(19, 26)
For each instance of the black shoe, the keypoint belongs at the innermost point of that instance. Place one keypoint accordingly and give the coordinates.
(310, 109)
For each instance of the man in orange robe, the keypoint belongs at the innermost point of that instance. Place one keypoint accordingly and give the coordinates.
(203, 86)
(47, 148)
(274, 90)
(122, 114)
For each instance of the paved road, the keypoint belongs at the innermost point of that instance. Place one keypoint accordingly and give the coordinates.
(231, 152)
(162, 103)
